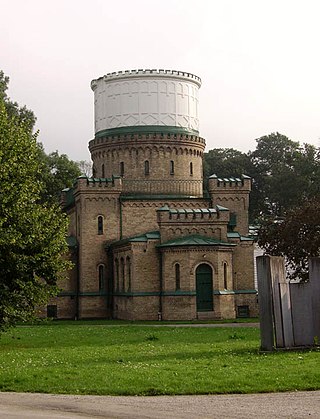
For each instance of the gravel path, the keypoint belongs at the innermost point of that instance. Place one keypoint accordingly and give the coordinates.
(275, 405)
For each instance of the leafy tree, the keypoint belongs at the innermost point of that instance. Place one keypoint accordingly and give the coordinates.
(297, 237)
(32, 235)
(285, 173)
(57, 172)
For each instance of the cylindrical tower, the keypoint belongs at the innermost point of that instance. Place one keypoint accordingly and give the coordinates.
(147, 131)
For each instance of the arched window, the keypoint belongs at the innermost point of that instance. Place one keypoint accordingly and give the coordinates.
(121, 168)
(146, 168)
(225, 275)
(128, 273)
(101, 277)
(171, 167)
(116, 282)
(191, 169)
(102, 171)
(177, 276)
(100, 225)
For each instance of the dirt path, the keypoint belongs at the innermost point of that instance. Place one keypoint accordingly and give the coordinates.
(276, 405)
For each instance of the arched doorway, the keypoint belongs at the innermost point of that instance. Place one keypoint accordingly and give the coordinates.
(204, 287)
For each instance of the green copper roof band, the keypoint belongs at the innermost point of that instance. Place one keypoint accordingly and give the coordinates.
(145, 129)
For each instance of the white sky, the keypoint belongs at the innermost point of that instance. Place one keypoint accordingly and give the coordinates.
(259, 61)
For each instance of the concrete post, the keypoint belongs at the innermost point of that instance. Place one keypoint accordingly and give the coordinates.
(265, 303)
(281, 303)
(314, 277)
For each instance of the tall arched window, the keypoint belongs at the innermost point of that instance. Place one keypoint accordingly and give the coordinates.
(121, 168)
(225, 273)
(171, 167)
(122, 279)
(101, 277)
(116, 282)
(177, 276)
(128, 273)
(191, 169)
(100, 225)
(146, 168)
(102, 171)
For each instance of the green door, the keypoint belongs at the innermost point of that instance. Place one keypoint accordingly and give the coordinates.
(204, 288)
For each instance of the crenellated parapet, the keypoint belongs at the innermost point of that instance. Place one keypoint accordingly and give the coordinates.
(230, 184)
(118, 75)
(175, 222)
(233, 193)
(82, 183)
(93, 186)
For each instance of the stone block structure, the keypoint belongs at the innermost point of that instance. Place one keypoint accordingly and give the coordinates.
(146, 243)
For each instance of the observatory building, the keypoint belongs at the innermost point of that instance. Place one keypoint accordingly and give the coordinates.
(146, 243)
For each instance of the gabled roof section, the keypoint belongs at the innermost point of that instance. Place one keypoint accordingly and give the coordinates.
(195, 240)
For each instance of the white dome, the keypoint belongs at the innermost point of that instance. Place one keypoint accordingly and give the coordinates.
(146, 101)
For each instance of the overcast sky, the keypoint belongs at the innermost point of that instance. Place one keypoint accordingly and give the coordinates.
(259, 61)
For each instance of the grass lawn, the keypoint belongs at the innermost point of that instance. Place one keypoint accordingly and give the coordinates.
(88, 358)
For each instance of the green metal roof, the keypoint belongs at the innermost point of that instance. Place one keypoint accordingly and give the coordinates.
(69, 197)
(152, 235)
(195, 240)
(236, 235)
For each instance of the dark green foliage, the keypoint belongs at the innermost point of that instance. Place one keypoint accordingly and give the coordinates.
(32, 235)
(286, 173)
(283, 173)
(57, 172)
(297, 237)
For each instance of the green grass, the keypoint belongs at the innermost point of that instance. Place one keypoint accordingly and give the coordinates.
(93, 358)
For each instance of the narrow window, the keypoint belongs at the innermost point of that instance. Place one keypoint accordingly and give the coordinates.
(78, 225)
(225, 271)
(191, 169)
(102, 171)
(171, 167)
(146, 168)
(122, 274)
(128, 275)
(100, 225)
(101, 277)
(121, 168)
(116, 282)
(177, 275)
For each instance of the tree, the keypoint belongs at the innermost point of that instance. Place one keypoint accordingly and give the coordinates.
(32, 235)
(296, 237)
(57, 172)
(285, 173)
